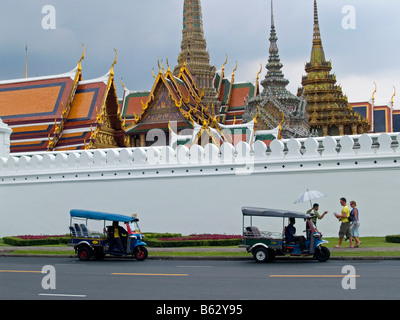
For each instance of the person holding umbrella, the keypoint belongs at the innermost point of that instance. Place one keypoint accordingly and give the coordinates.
(314, 213)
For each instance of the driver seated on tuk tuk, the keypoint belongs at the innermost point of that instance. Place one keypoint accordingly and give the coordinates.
(116, 236)
(290, 234)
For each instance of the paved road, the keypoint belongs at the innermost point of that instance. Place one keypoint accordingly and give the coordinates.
(179, 280)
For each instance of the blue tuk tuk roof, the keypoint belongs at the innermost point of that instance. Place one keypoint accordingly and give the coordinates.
(78, 213)
(265, 212)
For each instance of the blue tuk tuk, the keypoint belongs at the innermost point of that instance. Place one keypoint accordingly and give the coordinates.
(265, 245)
(98, 244)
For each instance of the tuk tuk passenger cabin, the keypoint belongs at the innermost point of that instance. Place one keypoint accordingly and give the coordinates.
(266, 245)
(88, 244)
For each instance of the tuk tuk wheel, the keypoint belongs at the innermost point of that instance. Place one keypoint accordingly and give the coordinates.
(322, 254)
(84, 253)
(261, 254)
(140, 253)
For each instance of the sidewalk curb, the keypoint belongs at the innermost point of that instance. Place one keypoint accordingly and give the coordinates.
(216, 258)
(7, 251)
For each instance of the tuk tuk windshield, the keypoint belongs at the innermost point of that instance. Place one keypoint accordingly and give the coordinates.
(133, 227)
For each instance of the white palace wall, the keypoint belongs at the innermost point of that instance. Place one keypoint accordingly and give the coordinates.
(201, 190)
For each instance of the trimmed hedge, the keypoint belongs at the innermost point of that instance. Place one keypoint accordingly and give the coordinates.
(152, 242)
(16, 241)
(151, 238)
(161, 235)
(393, 238)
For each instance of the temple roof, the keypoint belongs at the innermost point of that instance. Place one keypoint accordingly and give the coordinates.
(172, 98)
(233, 97)
(58, 112)
(33, 106)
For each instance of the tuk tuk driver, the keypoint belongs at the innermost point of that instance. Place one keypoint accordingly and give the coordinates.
(115, 232)
(290, 234)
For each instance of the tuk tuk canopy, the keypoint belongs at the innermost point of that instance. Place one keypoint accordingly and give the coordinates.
(264, 212)
(78, 213)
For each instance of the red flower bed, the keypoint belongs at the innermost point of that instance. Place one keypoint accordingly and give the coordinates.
(202, 237)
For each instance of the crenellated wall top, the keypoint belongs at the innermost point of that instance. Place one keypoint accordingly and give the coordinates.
(351, 152)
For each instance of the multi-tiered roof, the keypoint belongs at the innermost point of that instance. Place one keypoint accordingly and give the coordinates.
(276, 105)
(61, 112)
(194, 53)
(328, 109)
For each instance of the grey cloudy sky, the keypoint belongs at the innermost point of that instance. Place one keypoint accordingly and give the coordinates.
(144, 30)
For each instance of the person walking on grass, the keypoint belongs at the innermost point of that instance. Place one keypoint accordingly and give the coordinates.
(356, 224)
(345, 224)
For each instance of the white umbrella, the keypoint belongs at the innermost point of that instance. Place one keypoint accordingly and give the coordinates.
(309, 195)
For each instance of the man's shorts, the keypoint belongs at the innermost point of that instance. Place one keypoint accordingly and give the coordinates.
(344, 230)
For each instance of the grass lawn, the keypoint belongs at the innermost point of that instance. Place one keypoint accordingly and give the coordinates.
(367, 242)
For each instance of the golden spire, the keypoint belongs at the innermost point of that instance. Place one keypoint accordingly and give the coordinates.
(317, 52)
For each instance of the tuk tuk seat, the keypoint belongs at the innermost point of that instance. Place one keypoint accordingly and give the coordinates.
(253, 232)
(81, 230)
(84, 230)
(73, 232)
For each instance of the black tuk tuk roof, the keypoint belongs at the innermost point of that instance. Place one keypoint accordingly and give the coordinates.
(264, 212)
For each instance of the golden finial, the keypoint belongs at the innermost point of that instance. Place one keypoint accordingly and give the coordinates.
(393, 95)
(259, 72)
(123, 84)
(115, 61)
(152, 71)
(162, 67)
(226, 61)
(373, 94)
(233, 75)
(83, 57)
(233, 72)
(167, 63)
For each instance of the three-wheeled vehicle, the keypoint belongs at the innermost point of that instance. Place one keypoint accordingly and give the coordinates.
(265, 245)
(97, 244)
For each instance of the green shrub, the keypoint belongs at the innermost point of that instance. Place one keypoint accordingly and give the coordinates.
(393, 238)
(161, 235)
(152, 242)
(16, 241)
